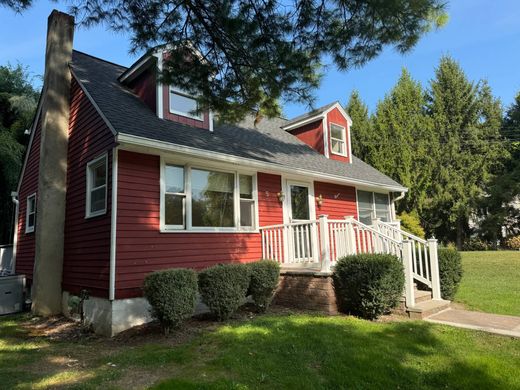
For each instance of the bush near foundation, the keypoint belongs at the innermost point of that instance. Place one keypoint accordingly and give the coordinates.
(450, 272)
(223, 288)
(264, 280)
(368, 285)
(172, 294)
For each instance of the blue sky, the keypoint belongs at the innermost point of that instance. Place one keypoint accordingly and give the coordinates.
(483, 36)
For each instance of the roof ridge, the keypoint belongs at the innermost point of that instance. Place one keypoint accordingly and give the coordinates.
(98, 58)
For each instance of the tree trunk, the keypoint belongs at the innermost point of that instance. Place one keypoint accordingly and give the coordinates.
(460, 233)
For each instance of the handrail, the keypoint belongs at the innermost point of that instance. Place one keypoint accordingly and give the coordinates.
(361, 224)
(288, 224)
(402, 232)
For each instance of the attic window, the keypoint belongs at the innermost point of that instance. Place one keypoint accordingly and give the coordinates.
(338, 139)
(181, 103)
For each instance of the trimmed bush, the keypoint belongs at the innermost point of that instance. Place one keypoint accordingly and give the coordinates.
(223, 288)
(476, 244)
(513, 243)
(368, 285)
(411, 223)
(450, 272)
(264, 279)
(172, 294)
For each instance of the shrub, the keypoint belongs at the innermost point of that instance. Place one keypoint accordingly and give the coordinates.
(411, 223)
(513, 243)
(476, 244)
(368, 285)
(223, 288)
(264, 279)
(172, 295)
(450, 272)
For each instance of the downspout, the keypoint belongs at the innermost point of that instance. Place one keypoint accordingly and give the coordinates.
(113, 229)
(403, 193)
(14, 197)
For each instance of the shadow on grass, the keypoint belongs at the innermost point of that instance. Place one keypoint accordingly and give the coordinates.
(295, 351)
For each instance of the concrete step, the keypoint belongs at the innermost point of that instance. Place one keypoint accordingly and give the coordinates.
(422, 296)
(427, 308)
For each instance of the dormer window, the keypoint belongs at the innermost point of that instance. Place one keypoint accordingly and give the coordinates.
(181, 103)
(338, 137)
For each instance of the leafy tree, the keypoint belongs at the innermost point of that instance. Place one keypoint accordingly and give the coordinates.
(244, 54)
(405, 143)
(465, 117)
(17, 105)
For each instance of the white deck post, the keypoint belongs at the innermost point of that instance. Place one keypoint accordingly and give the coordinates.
(434, 268)
(324, 243)
(408, 276)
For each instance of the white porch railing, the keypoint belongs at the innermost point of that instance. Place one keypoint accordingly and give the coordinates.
(320, 243)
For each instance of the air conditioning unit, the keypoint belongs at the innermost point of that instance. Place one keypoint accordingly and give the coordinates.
(11, 293)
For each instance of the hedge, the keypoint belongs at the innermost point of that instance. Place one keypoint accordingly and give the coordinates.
(264, 280)
(223, 288)
(450, 272)
(368, 285)
(172, 295)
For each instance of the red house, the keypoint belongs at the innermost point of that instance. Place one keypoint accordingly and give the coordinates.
(152, 182)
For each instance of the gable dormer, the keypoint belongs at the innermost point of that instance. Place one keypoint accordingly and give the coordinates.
(326, 130)
(167, 101)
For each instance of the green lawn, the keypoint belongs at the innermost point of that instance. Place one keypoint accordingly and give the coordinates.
(268, 352)
(491, 282)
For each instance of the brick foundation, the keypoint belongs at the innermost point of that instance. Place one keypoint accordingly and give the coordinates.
(308, 291)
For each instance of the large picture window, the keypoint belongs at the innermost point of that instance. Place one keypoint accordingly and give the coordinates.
(203, 199)
(97, 187)
(373, 204)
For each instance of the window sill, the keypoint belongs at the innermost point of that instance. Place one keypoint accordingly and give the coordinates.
(29, 231)
(222, 231)
(185, 115)
(339, 154)
(97, 214)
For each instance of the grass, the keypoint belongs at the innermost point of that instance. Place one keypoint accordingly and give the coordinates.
(491, 282)
(272, 351)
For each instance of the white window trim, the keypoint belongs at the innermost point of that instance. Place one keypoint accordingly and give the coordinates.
(30, 229)
(180, 92)
(189, 228)
(89, 188)
(344, 140)
(374, 202)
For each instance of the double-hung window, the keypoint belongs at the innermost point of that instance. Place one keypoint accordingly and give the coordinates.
(338, 139)
(182, 103)
(30, 214)
(97, 187)
(206, 199)
(373, 204)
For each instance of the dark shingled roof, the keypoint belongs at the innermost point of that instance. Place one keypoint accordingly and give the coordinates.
(309, 114)
(127, 114)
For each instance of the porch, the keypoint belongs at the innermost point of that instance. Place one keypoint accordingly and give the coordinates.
(312, 248)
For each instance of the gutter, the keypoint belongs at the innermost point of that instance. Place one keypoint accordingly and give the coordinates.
(132, 140)
(113, 229)
(14, 197)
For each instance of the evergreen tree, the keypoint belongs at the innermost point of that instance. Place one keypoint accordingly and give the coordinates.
(464, 119)
(404, 138)
(361, 131)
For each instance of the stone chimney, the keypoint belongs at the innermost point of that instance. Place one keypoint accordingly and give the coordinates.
(52, 181)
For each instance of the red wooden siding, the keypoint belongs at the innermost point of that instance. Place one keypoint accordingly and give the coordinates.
(204, 124)
(87, 241)
(145, 87)
(311, 134)
(338, 201)
(26, 242)
(142, 248)
(335, 116)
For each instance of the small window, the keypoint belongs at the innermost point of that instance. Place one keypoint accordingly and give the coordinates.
(175, 197)
(372, 204)
(97, 187)
(338, 139)
(247, 202)
(181, 103)
(30, 214)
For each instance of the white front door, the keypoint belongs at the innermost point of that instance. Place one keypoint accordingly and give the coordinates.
(300, 213)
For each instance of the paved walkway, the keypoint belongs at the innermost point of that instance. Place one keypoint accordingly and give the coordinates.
(493, 323)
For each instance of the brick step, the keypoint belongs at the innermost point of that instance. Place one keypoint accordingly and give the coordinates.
(427, 308)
